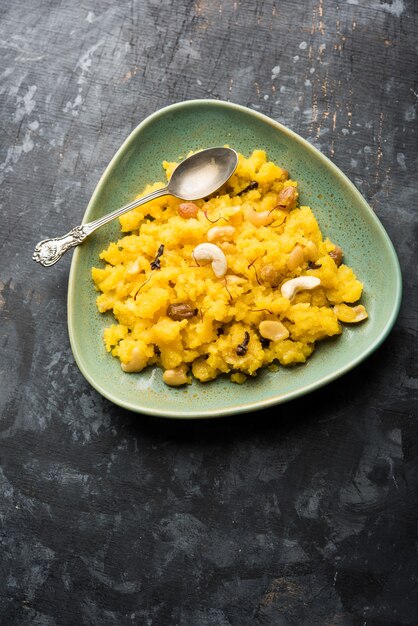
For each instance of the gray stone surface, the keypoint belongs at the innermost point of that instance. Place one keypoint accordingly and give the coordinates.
(304, 514)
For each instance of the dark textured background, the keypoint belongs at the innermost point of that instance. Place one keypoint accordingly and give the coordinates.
(304, 514)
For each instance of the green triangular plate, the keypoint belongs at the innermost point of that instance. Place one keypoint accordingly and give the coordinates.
(341, 211)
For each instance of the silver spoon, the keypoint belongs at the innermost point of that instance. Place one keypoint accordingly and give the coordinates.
(196, 177)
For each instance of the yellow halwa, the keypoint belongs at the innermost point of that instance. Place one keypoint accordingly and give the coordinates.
(175, 312)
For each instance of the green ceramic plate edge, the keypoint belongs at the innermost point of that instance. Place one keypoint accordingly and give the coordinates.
(278, 398)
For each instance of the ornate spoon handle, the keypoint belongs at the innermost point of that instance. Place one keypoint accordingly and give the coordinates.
(49, 251)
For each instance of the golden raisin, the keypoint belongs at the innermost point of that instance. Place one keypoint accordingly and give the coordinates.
(188, 210)
(270, 275)
(286, 198)
(180, 312)
(337, 255)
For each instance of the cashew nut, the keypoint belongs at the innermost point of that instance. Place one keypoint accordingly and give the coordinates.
(232, 279)
(350, 314)
(136, 363)
(210, 252)
(233, 210)
(273, 330)
(258, 218)
(291, 287)
(220, 232)
(310, 251)
(296, 258)
(176, 376)
(133, 268)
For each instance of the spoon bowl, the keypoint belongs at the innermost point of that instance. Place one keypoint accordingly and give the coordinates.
(196, 177)
(202, 173)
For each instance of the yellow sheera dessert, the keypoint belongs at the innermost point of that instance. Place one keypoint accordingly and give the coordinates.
(224, 285)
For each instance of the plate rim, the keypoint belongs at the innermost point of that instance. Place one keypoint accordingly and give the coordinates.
(278, 398)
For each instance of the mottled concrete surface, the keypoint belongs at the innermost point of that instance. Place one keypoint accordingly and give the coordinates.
(304, 514)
